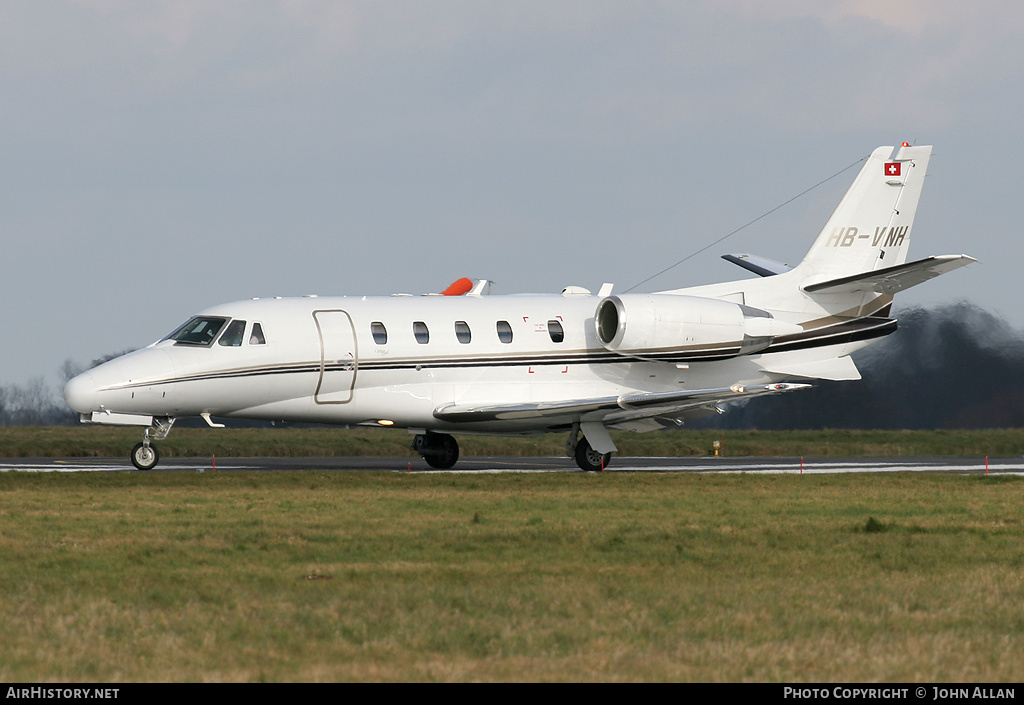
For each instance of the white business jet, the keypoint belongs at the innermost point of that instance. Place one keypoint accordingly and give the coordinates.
(575, 363)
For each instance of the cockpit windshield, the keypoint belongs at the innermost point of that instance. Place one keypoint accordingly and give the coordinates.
(200, 330)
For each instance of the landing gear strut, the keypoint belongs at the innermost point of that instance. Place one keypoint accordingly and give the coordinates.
(440, 450)
(144, 455)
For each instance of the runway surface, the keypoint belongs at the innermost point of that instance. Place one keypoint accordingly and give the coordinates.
(934, 464)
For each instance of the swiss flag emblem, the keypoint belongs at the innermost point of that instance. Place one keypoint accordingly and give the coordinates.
(892, 168)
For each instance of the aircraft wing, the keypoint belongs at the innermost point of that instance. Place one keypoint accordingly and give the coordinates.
(655, 403)
(892, 279)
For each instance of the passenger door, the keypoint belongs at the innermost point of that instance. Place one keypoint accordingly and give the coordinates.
(339, 361)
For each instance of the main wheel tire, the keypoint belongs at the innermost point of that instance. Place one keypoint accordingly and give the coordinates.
(446, 453)
(589, 459)
(145, 457)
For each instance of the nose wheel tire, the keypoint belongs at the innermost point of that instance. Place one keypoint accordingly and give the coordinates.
(145, 457)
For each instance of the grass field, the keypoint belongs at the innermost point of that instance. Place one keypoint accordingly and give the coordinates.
(564, 577)
(106, 441)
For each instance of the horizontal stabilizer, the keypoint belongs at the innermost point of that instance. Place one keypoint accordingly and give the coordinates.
(891, 280)
(837, 368)
(761, 266)
(604, 407)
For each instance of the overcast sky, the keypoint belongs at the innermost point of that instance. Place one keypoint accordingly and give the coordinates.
(157, 158)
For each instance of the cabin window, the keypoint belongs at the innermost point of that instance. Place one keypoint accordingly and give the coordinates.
(232, 337)
(257, 337)
(504, 332)
(419, 329)
(462, 332)
(380, 333)
(199, 331)
(556, 332)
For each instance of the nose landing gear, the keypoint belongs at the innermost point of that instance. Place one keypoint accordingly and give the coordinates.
(144, 455)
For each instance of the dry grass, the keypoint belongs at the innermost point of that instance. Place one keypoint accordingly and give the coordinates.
(565, 577)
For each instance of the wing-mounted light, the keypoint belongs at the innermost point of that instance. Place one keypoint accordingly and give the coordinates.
(677, 328)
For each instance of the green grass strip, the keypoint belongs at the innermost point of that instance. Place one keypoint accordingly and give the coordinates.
(105, 441)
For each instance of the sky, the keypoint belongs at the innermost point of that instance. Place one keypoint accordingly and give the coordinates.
(158, 158)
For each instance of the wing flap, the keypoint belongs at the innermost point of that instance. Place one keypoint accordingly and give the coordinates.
(656, 403)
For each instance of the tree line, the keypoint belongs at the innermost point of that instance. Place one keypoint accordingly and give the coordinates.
(955, 366)
(37, 403)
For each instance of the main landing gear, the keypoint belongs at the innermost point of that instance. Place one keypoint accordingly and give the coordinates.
(588, 459)
(144, 455)
(440, 450)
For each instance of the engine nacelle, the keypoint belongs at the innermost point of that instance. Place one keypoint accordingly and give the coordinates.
(678, 328)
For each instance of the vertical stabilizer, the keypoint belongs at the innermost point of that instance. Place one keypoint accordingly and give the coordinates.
(870, 229)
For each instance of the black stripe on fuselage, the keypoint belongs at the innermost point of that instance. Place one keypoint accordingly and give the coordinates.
(861, 329)
(854, 330)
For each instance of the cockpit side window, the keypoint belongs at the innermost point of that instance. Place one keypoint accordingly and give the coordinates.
(257, 337)
(232, 337)
(199, 331)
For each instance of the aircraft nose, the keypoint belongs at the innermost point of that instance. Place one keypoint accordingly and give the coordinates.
(80, 393)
